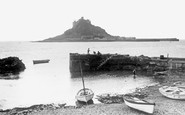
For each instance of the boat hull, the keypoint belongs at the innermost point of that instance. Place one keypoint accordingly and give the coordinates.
(40, 61)
(140, 105)
(173, 92)
(84, 97)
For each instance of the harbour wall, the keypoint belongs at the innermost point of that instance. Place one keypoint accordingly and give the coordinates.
(86, 63)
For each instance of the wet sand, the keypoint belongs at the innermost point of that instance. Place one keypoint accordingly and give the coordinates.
(164, 106)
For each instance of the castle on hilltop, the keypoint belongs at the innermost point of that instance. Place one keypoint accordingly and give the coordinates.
(75, 23)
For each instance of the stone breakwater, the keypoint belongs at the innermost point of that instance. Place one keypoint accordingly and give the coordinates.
(118, 62)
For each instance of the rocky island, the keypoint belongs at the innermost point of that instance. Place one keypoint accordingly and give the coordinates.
(84, 31)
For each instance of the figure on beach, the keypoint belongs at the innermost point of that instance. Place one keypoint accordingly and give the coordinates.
(88, 50)
(134, 72)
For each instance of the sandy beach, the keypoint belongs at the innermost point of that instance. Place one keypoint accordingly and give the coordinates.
(164, 106)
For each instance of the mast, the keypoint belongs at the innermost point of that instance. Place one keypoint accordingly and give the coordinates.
(82, 77)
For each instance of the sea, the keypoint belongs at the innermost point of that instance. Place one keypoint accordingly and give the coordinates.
(52, 82)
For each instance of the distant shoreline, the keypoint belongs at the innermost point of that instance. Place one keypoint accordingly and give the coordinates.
(127, 40)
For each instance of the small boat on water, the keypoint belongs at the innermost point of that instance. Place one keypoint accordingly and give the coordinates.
(41, 61)
(139, 104)
(85, 94)
(173, 92)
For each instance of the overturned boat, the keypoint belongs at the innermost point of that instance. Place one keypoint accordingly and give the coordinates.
(139, 104)
(173, 92)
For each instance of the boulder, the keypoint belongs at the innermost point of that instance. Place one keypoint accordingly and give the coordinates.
(11, 66)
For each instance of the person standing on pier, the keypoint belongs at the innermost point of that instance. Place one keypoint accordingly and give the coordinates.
(88, 50)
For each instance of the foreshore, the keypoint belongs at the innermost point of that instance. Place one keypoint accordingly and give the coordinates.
(164, 106)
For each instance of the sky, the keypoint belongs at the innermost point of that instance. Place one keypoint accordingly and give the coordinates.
(32, 20)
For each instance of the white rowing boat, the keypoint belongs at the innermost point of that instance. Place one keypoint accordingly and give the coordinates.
(139, 104)
(84, 95)
(173, 92)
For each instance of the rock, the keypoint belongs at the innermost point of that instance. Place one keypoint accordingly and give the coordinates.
(10, 67)
(33, 109)
(110, 98)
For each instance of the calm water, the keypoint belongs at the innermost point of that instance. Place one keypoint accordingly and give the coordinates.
(51, 82)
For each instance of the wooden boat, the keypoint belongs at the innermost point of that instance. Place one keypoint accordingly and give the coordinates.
(139, 104)
(173, 92)
(179, 84)
(160, 76)
(41, 61)
(161, 73)
(84, 94)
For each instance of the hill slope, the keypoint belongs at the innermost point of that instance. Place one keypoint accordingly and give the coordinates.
(81, 30)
